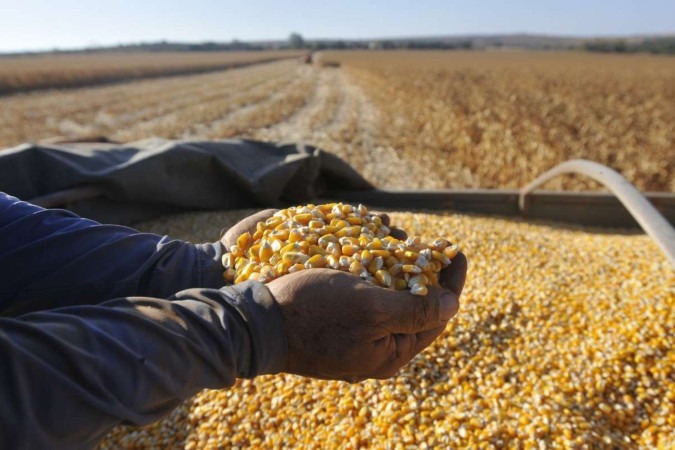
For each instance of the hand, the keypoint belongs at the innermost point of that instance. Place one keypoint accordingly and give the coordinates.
(229, 237)
(341, 327)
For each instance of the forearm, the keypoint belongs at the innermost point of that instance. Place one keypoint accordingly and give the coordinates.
(70, 374)
(55, 258)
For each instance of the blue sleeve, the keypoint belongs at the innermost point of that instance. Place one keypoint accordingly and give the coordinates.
(70, 374)
(51, 258)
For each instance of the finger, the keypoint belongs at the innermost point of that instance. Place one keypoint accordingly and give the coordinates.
(453, 277)
(410, 314)
(406, 347)
(229, 238)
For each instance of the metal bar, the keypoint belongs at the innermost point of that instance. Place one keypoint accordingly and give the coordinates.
(654, 224)
(601, 209)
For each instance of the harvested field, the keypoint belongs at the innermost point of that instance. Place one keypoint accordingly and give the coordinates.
(405, 119)
(565, 335)
(497, 120)
(32, 72)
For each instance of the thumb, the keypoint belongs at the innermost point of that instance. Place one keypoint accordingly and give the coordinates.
(412, 314)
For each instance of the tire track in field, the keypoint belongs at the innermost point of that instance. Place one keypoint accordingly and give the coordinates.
(340, 119)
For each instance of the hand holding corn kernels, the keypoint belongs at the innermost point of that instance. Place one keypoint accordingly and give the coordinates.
(336, 236)
(337, 325)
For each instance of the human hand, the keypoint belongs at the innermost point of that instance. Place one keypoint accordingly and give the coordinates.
(339, 326)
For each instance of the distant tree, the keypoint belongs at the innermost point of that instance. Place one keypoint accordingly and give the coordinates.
(295, 40)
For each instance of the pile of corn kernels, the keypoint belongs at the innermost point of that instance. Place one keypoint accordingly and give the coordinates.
(341, 237)
(565, 338)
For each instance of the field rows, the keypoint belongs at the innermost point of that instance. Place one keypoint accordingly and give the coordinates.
(498, 120)
(26, 73)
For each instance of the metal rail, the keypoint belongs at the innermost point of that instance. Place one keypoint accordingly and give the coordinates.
(653, 223)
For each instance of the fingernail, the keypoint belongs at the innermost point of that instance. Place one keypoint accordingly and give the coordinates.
(449, 305)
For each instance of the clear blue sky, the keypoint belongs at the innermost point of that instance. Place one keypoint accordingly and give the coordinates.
(42, 24)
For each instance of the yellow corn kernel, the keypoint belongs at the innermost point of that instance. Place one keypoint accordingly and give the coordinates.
(410, 255)
(295, 257)
(244, 240)
(273, 221)
(304, 246)
(228, 260)
(282, 267)
(240, 262)
(236, 250)
(265, 252)
(357, 269)
(316, 224)
(438, 256)
(366, 257)
(420, 279)
(354, 220)
(316, 250)
(451, 250)
(375, 244)
(439, 244)
(293, 247)
(383, 277)
(248, 269)
(296, 268)
(339, 223)
(333, 261)
(303, 218)
(254, 251)
(375, 265)
(410, 268)
(295, 235)
(257, 235)
(255, 276)
(382, 253)
(391, 261)
(280, 234)
(395, 269)
(334, 248)
(327, 239)
(349, 250)
(315, 262)
(400, 284)
(418, 289)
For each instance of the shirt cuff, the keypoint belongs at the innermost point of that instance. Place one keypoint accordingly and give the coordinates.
(266, 326)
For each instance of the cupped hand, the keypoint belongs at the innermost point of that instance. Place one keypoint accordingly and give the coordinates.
(339, 326)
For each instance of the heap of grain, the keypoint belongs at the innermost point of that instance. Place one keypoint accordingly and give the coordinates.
(341, 237)
(565, 339)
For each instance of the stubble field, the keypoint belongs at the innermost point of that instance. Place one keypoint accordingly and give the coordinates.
(565, 335)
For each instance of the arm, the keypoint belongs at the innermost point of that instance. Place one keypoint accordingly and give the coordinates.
(56, 258)
(70, 374)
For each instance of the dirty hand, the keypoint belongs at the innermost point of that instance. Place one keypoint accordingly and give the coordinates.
(341, 327)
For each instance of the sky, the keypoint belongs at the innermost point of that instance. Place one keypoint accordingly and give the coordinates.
(64, 24)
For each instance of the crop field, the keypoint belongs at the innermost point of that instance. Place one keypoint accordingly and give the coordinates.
(565, 336)
(408, 119)
(32, 72)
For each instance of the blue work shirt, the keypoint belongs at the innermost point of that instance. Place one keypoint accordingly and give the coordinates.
(102, 325)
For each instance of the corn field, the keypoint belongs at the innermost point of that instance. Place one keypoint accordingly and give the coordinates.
(564, 338)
